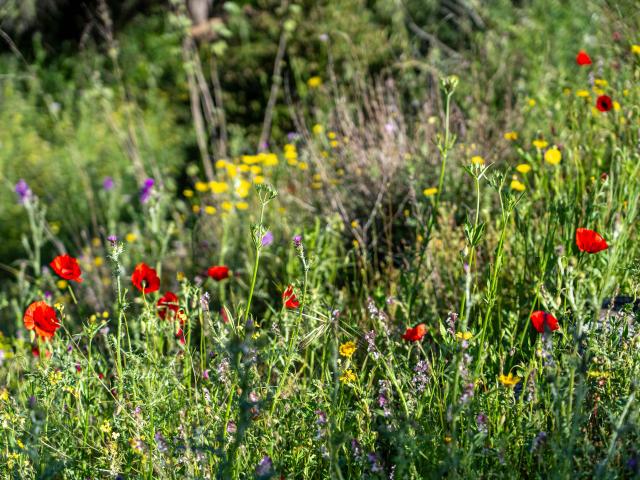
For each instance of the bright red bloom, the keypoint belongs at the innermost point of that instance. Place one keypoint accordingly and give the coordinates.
(604, 103)
(289, 298)
(145, 278)
(218, 272)
(583, 58)
(168, 304)
(544, 321)
(590, 241)
(67, 267)
(416, 333)
(42, 318)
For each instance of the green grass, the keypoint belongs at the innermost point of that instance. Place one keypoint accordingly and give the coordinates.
(237, 385)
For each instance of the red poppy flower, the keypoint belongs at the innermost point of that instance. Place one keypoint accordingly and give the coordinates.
(604, 103)
(218, 272)
(416, 333)
(289, 298)
(42, 318)
(583, 58)
(35, 351)
(67, 267)
(145, 278)
(168, 304)
(544, 321)
(590, 241)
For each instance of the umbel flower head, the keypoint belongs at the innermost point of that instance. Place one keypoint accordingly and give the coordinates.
(41, 318)
(145, 278)
(66, 267)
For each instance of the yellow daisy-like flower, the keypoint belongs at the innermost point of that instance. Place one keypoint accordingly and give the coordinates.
(517, 185)
(314, 82)
(582, 93)
(242, 205)
(303, 166)
(98, 261)
(531, 102)
(347, 376)
(509, 380)
(243, 188)
(598, 91)
(334, 143)
(635, 49)
(256, 169)
(540, 144)
(210, 210)
(232, 170)
(195, 208)
(464, 335)
(188, 193)
(347, 349)
(218, 187)
(221, 163)
(180, 276)
(600, 82)
(553, 156)
(244, 168)
(318, 129)
(511, 136)
(331, 135)
(616, 106)
(477, 160)
(269, 159)
(251, 159)
(430, 192)
(131, 237)
(202, 186)
(61, 284)
(258, 179)
(316, 185)
(523, 168)
(227, 206)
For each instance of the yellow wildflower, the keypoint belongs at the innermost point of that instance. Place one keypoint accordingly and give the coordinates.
(517, 185)
(511, 136)
(509, 380)
(258, 179)
(218, 187)
(188, 193)
(331, 135)
(61, 284)
(477, 160)
(582, 93)
(531, 102)
(251, 159)
(210, 210)
(242, 205)
(226, 205)
(540, 144)
(464, 335)
(600, 82)
(221, 163)
(131, 237)
(318, 129)
(314, 82)
(553, 156)
(202, 186)
(347, 376)
(430, 192)
(98, 261)
(347, 349)
(303, 166)
(523, 168)
(195, 208)
(635, 49)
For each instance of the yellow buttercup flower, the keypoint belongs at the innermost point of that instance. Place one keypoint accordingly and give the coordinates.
(218, 187)
(131, 237)
(258, 179)
(256, 169)
(430, 192)
(202, 186)
(517, 185)
(553, 156)
(210, 210)
(509, 380)
(347, 376)
(251, 159)
(244, 168)
(464, 335)
(540, 144)
(477, 160)
(523, 168)
(582, 93)
(331, 135)
(269, 159)
(511, 136)
(635, 49)
(314, 82)
(221, 163)
(242, 205)
(616, 106)
(347, 349)
(61, 284)
(227, 206)
(243, 188)
(318, 129)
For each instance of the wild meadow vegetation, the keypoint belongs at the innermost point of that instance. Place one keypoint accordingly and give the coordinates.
(337, 239)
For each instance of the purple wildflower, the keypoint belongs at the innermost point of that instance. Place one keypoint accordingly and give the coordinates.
(108, 183)
(297, 241)
(267, 239)
(374, 462)
(23, 191)
(112, 240)
(231, 427)
(161, 443)
(265, 467)
(145, 191)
